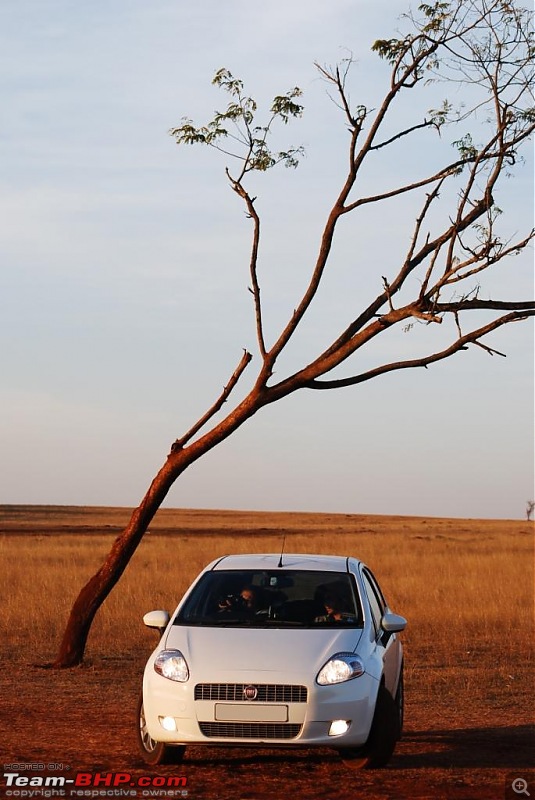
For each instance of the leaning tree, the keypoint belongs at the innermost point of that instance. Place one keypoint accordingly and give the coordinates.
(483, 48)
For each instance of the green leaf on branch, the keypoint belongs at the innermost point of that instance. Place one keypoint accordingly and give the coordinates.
(236, 123)
(466, 147)
(283, 106)
(390, 49)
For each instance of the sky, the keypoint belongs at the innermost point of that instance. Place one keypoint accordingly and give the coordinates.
(124, 274)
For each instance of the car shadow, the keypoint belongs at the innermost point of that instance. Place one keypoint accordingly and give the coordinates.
(507, 747)
(227, 756)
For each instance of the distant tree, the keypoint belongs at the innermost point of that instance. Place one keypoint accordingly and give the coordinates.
(482, 50)
(530, 508)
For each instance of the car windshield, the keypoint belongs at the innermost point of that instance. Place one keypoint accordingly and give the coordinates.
(248, 598)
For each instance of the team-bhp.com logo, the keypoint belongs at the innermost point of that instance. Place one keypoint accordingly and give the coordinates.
(94, 784)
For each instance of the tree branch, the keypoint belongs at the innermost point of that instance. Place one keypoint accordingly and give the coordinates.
(178, 444)
(253, 261)
(425, 124)
(527, 307)
(460, 344)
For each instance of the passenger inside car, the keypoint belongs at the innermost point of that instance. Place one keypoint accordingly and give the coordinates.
(334, 611)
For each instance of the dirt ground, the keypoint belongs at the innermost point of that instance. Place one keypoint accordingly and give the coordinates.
(460, 742)
(82, 720)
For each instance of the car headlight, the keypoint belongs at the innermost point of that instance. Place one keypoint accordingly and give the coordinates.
(172, 664)
(341, 667)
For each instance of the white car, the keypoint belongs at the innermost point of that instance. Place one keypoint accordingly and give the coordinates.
(276, 650)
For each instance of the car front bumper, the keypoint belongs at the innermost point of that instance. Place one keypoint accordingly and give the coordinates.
(174, 715)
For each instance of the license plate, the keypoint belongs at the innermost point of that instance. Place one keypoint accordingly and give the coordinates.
(250, 712)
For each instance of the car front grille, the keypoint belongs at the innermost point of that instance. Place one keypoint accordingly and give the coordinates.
(266, 692)
(249, 730)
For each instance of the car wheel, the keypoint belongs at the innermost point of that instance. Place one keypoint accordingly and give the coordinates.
(384, 734)
(154, 752)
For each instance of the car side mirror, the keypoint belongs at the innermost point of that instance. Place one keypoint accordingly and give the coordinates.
(157, 619)
(393, 623)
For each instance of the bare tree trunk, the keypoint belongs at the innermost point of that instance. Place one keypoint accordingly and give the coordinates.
(96, 590)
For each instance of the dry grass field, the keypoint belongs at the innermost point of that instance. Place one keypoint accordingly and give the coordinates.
(466, 587)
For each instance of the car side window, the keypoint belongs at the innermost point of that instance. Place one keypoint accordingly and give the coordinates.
(375, 599)
(380, 596)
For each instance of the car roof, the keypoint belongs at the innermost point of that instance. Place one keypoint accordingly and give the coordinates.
(290, 561)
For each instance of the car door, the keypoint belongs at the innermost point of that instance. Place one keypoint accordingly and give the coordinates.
(387, 643)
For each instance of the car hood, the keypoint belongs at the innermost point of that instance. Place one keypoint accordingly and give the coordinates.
(254, 654)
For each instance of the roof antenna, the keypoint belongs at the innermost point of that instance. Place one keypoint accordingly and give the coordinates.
(280, 564)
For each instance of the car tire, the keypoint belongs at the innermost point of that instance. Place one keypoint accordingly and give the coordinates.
(384, 733)
(154, 752)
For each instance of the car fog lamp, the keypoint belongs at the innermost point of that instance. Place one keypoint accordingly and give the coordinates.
(167, 723)
(339, 726)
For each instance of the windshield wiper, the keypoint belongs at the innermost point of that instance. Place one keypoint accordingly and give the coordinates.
(194, 619)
